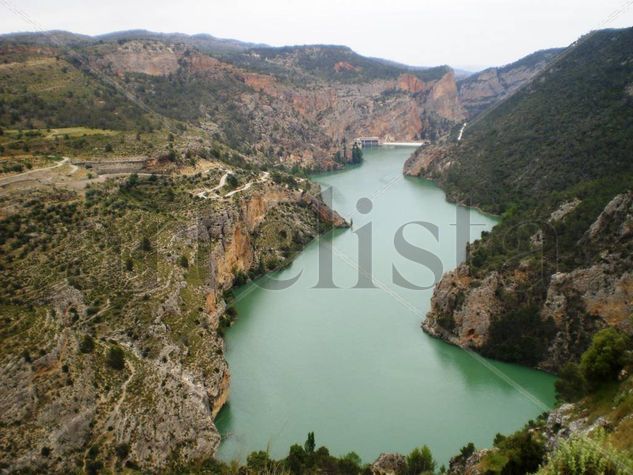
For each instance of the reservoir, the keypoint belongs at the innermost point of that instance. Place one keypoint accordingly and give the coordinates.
(352, 364)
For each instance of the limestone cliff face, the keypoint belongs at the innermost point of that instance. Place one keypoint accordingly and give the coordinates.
(428, 161)
(403, 109)
(461, 313)
(479, 91)
(578, 302)
(147, 57)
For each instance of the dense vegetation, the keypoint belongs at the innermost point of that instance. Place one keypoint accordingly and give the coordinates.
(41, 91)
(573, 124)
(564, 138)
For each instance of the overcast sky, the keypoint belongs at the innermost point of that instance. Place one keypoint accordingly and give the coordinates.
(462, 33)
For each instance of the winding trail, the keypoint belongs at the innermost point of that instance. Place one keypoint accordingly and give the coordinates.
(19, 177)
(262, 179)
(222, 182)
(206, 191)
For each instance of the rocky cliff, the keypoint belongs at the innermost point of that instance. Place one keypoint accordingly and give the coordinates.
(112, 353)
(468, 308)
(288, 107)
(479, 91)
(557, 268)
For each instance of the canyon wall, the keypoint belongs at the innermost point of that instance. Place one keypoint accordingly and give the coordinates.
(577, 303)
(163, 305)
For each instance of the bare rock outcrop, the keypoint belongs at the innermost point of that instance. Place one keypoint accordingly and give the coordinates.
(577, 303)
(389, 464)
(147, 57)
(481, 90)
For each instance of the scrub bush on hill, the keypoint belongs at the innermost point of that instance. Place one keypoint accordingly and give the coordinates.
(517, 454)
(116, 358)
(606, 356)
(602, 363)
(583, 456)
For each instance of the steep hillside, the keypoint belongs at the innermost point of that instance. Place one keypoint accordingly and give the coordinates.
(114, 298)
(39, 88)
(293, 107)
(555, 160)
(570, 125)
(479, 91)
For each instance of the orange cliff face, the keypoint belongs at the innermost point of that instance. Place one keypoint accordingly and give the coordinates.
(323, 111)
(444, 99)
(387, 108)
(411, 84)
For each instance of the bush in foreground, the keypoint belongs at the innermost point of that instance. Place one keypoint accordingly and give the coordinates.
(584, 456)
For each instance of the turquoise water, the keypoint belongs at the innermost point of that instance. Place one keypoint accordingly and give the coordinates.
(353, 365)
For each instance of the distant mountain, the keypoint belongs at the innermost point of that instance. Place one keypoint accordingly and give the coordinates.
(329, 62)
(48, 38)
(203, 42)
(478, 91)
(296, 106)
(462, 73)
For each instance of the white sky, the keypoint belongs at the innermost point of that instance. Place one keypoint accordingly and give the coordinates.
(462, 33)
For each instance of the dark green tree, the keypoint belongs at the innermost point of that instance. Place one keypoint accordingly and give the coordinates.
(571, 384)
(87, 344)
(122, 450)
(309, 445)
(357, 154)
(232, 180)
(296, 459)
(606, 356)
(146, 245)
(116, 358)
(420, 460)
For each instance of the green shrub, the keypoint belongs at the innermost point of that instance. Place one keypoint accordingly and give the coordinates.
(259, 462)
(232, 181)
(122, 450)
(87, 344)
(519, 453)
(571, 384)
(116, 358)
(420, 460)
(583, 456)
(606, 356)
